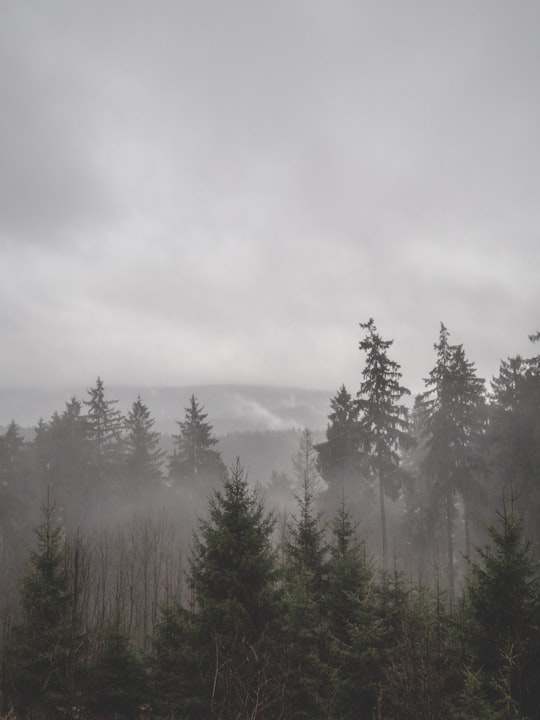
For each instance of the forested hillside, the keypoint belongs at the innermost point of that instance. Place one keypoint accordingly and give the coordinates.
(389, 571)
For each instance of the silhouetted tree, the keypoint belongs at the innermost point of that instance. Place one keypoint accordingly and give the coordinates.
(195, 460)
(305, 464)
(339, 455)
(64, 457)
(143, 456)
(104, 427)
(451, 413)
(16, 496)
(513, 435)
(383, 420)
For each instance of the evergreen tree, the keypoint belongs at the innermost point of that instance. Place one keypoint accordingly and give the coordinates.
(383, 423)
(451, 415)
(422, 526)
(339, 458)
(15, 496)
(233, 580)
(195, 460)
(143, 456)
(303, 629)
(354, 634)
(469, 423)
(513, 435)
(43, 661)
(11, 444)
(117, 683)
(63, 457)
(305, 464)
(420, 677)
(306, 549)
(303, 636)
(104, 427)
(177, 664)
(504, 598)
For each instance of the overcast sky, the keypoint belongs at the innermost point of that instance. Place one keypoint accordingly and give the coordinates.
(219, 192)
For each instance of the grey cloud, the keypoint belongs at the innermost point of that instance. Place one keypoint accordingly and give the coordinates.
(222, 191)
(49, 180)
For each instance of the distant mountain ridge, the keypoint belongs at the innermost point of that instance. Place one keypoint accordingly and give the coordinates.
(230, 408)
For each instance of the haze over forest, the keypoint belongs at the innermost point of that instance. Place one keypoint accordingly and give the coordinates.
(269, 362)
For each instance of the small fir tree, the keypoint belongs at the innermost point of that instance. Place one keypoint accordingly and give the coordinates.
(504, 601)
(43, 661)
(306, 549)
(176, 664)
(117, 682)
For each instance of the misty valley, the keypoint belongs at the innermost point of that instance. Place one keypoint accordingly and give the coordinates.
(385, 566)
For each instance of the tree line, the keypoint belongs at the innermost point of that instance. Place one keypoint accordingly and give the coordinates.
(309, 629)
(266, 616)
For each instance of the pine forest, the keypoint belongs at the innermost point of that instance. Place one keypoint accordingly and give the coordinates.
(392, 574)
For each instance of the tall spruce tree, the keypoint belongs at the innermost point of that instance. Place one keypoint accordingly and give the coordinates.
(383, 420)
(469, 418)
(514, 435)
(451, 415)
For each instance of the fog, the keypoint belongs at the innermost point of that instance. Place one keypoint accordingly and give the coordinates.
(217, 496)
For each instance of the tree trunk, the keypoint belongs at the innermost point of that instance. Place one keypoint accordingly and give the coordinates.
(383, 522)
(467, 523)
(450, 544)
